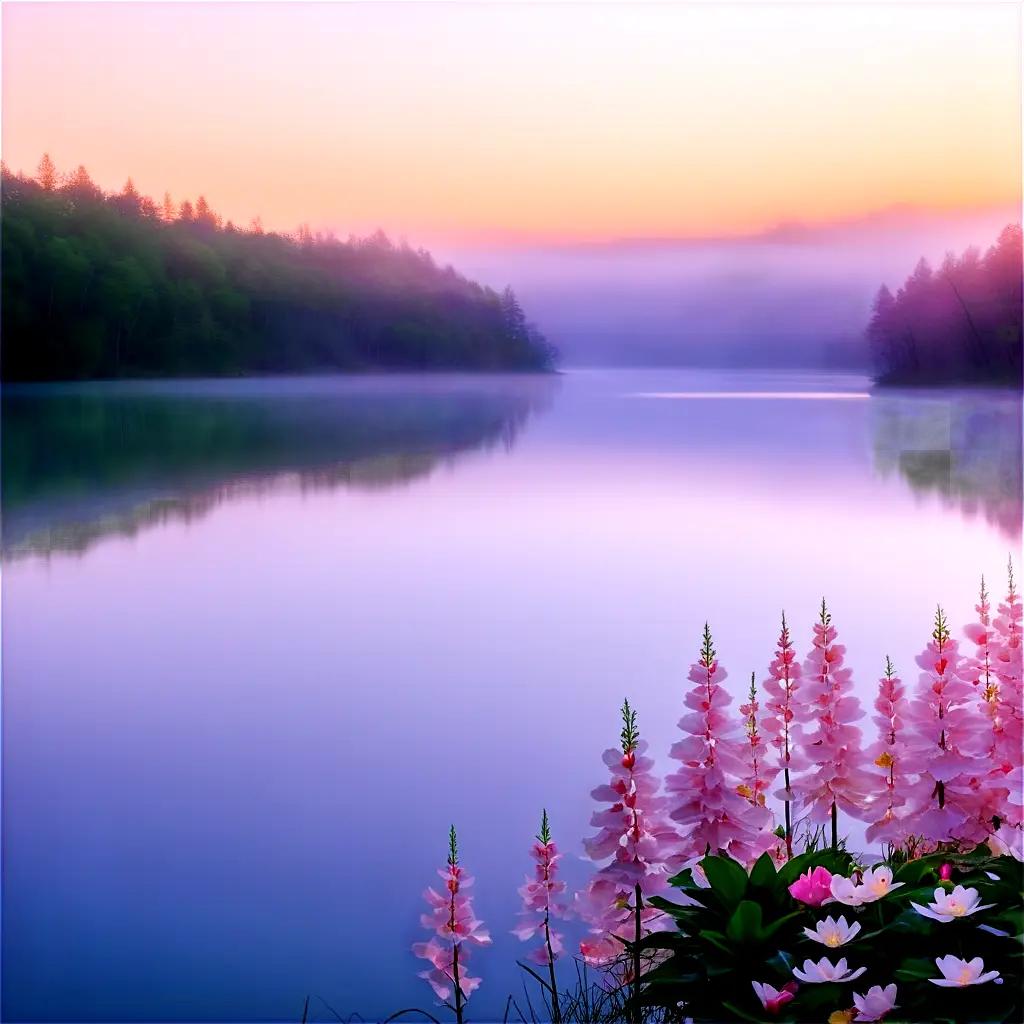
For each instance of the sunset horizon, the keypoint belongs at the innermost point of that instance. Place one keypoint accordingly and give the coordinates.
(336, 116)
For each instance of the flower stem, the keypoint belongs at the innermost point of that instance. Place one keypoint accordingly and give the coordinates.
(789, 819)
(638, 907)
(835, 826)
(556, 1010)
(453, 860)
(458, 986)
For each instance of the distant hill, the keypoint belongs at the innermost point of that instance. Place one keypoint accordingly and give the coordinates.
(115, 286)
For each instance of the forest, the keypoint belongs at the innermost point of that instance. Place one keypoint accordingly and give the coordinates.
(958, 324)
(99, 286)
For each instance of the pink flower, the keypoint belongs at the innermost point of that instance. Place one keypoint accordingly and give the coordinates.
(709, 808)
(541, 900)
(825, 971)
(875, 1003)
(813, 888)
(635, 840)
(778, 723)
(847, 891)
(945, 743)
(888, 756)
(833, 933)
(760, 772)
(452, 920)
(951, 906)
(442, 969)
(980, 671)
(773, 999)
(957, 973)
(830, 744)
(875, 884)
(1008, 713)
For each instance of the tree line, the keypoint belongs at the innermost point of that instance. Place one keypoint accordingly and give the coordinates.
(960, 323)
(115, 285)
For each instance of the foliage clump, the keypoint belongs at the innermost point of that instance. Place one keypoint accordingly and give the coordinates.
(959, 323)
(117, 286)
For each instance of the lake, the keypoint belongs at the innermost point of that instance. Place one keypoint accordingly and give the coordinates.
(264, 640)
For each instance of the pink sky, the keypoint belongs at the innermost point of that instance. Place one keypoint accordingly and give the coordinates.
(553, 122)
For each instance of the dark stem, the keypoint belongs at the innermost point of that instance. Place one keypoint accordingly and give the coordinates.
(638, 901)
(412, 1009)
(835, 826)
(789, 819)
(458, 986)
(556, 1010)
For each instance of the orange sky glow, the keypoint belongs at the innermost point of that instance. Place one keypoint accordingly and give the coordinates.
(493, 122)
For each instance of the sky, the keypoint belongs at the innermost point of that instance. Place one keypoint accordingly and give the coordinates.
(521, 124)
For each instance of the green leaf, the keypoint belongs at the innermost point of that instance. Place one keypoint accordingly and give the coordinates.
(793, 869)
(727, 878)
(771, 929)
(738, 1013)
(821, 998)
(745, 924)
(914, 872)
(909, 922)
(674, 909)
(683, 880)
(763, 873)
(835, 861)
(718, 940)
(1013, 920)
(916, 970)
(719, 970)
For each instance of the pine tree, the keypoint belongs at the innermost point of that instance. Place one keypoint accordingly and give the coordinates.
(80, 186)
(46, 173)
(513, 316)
(205, 217)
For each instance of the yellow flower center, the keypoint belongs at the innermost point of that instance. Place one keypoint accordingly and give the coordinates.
(885, 761)
(956, 909)
(965, 977)
(833, 939)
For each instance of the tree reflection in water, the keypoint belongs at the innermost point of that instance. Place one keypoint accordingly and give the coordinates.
(962, 446)
(81, 462)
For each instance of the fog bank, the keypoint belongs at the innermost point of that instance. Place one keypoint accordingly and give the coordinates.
(793, 296)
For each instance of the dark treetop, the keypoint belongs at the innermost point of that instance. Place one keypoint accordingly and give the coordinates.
(955, 325)
(107, 286)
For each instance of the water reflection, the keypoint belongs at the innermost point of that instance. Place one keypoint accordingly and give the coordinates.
(81, 462)
(86, 461)
(191, 722)
(964, 448)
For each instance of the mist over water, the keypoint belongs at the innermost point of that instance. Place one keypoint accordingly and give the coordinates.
(792, 297)
(235, 733)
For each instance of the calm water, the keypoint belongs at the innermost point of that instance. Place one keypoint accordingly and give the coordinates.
(264, 640)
